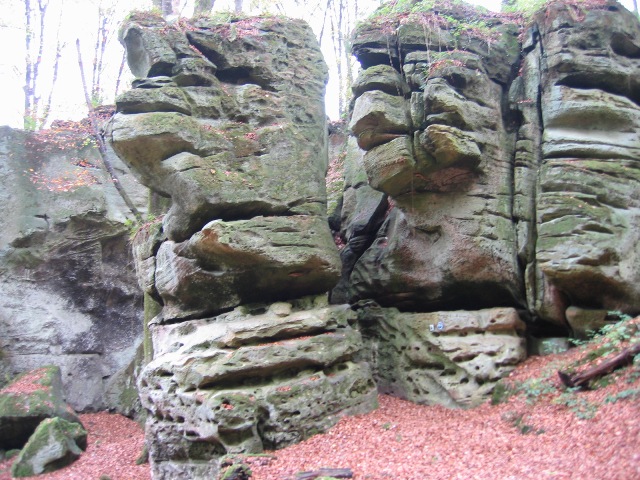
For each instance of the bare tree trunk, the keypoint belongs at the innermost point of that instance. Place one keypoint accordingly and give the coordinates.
(35, 113)
(28, 74)
(165, 7)
(120, 70)
(635, 8)
(202, 7)
(59, 46)
(238, 6)
(102, 146)
(102, 34)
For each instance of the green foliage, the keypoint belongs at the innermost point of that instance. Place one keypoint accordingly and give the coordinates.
(30, 123)
(578, 405)
(236, 472)
(534, 388)
(135, 226)
(526, 7)
(531, 389)
(631, 393)
(519, 421)
(610, 336)
(501, 393)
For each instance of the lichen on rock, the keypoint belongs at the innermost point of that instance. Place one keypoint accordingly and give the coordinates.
(233, 130)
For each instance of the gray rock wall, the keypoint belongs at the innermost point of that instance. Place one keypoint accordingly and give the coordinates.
(68, 293)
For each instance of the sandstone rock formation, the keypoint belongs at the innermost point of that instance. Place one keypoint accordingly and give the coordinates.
(228, 121)
(510, 182)
(489, 165)
(453, 358)
(68, 293)
(490, 179)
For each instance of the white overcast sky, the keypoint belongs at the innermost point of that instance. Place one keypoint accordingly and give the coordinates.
(68, 100)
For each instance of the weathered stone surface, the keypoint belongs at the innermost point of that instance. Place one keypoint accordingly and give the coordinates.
(532, 204)
(390, 166)
(584, 322)
(229, 263)
(378, 117)
(588, 191)
(252, 140)
(244, 166)
(449, 358)
(548, 345)
(383, 78)
(262, 376)
(449, 228)
(68, 293)
(27, 401)
(55, 444)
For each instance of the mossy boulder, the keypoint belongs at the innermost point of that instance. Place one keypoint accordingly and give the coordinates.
(27, 401)
(56, 443)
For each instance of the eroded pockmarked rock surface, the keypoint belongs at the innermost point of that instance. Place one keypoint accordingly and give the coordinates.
(228, 121)
(248, 380)
(449, 358)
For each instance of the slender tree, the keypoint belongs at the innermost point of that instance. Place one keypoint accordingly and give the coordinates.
(202, 7)
(35, 111)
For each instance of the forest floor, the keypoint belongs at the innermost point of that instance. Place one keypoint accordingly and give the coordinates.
(535, 428)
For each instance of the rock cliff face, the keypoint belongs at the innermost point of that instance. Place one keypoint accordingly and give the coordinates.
(491, 184)
(68, 293)
(489, 165)
(228, 121)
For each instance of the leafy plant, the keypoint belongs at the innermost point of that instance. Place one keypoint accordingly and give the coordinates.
(136, 226)
(534, 388)
(582, 409)
(518, 420)
(631, 393)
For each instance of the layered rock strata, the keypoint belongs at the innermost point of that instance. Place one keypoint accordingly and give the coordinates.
(68, 290)
(227, 120)
(489, 165)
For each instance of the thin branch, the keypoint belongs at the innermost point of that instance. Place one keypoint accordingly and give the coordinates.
(120, 70)
(102, 146)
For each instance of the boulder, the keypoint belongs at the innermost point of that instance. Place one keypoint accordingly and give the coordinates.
(261, 259)
(27, 401)
(56, 443)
